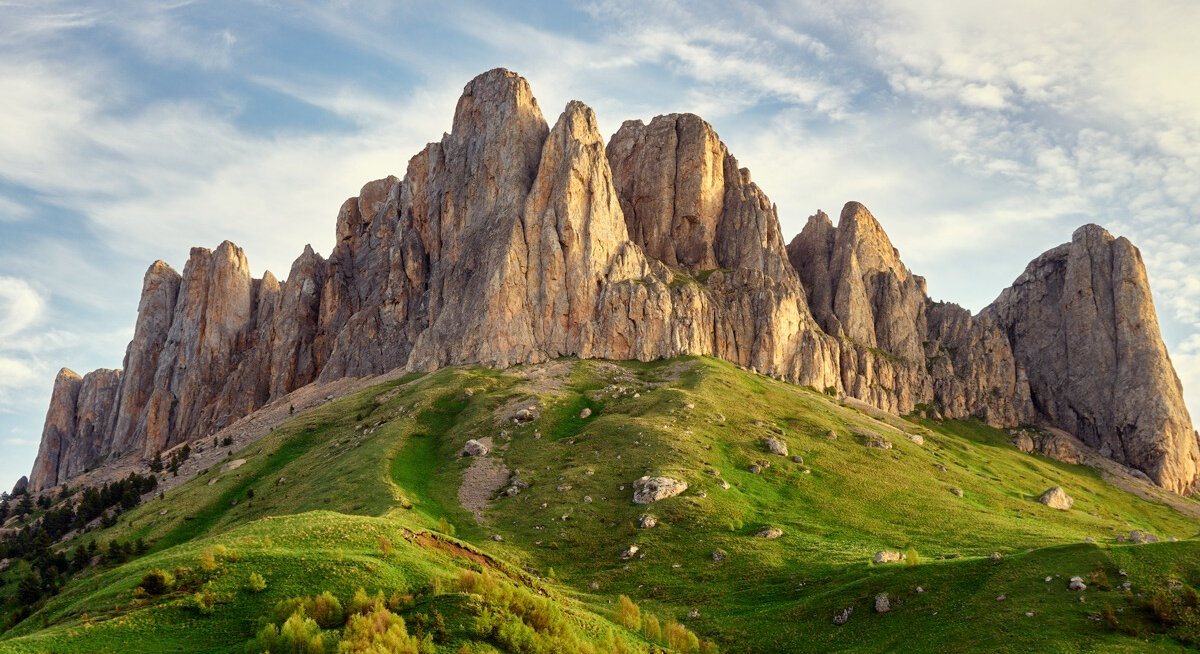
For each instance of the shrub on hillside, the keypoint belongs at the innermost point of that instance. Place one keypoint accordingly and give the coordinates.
(256, 583)
(385, 547)
(362, 603)
(157, 582)
(1100, 578)
(677, 637)
(208, 561)
(1176, 611)
(627, 614)
(380, 630)
(651, 628)
(298, 634)
(325, 609)
(205, 600)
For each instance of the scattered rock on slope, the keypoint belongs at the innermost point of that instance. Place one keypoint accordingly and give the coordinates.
(775, 445)
(1056, 498)
(1138, 537)
(652, 489)
(887, 556)
(475, 448)
(882, 603)
(233, 465)
(1022, 441)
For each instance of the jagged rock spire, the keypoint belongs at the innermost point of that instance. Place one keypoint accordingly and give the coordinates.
(1082, 322)
(509, 241)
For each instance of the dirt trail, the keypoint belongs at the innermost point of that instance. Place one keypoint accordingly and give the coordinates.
(481, 481)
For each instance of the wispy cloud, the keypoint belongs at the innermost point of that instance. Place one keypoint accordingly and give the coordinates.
(20, 306)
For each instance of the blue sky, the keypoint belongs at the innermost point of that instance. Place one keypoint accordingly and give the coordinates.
(980, 134)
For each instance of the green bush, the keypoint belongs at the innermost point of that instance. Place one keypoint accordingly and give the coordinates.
(361, 603)
(325, 609)
(380, 630)
(627, 614)
(157, 582)
(256, 583)
(651, 628)
(298, 635)
(204, 601)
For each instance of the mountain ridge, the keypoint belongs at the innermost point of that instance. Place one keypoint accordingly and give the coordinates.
(512, 241)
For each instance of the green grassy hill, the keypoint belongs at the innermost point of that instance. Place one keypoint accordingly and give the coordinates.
(367, 492)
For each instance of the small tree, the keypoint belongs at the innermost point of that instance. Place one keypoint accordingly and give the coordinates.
(911, 557)
(628, 614)
(156, 464)
(652, 628)
(327, 610)
(208, 562)
(677, 636)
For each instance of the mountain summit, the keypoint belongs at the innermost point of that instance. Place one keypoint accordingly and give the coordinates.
(510, 241)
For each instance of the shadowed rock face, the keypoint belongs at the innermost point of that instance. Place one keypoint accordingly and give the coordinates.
(513, 241)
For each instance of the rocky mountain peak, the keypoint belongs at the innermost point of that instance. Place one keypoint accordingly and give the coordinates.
(687, 203)
(1082, 322)
(509, 241)
(857, 285)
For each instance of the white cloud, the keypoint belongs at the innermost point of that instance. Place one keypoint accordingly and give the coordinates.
(20, 306)
(984, 96)
(15, 373)
(12, 211)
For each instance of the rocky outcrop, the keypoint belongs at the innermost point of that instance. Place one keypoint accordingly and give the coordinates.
(76, 433)
(687, 203)
(899, 349)
(512, 241)
(1082, 323)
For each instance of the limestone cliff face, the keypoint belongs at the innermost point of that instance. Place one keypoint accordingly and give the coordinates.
(512, 241)
(77, 432)
(686, 201)
(1082, 322)
(900, 349)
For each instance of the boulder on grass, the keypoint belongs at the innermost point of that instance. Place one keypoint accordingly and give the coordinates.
(653, 489)
(1056, 498)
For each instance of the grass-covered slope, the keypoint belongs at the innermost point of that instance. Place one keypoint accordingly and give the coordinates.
(308, 508)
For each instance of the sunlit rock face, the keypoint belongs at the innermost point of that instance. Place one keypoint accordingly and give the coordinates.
(511, 241)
